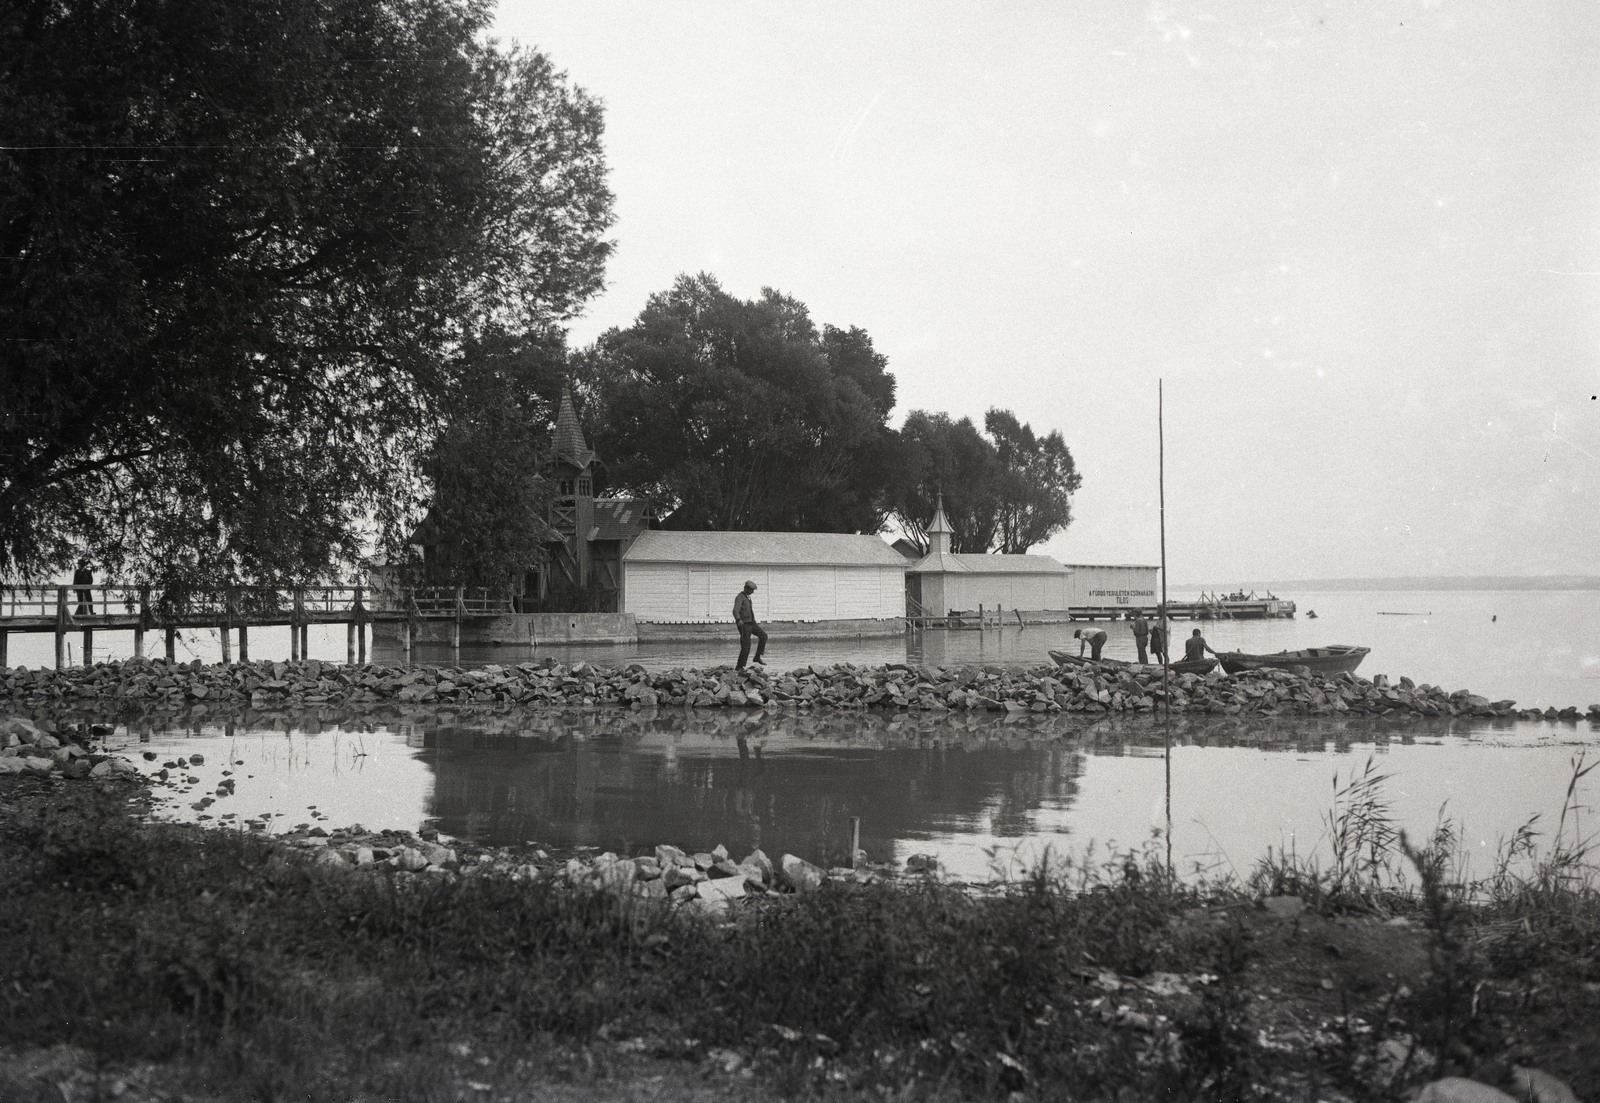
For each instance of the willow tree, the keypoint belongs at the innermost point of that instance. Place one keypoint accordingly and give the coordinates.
(243, 248)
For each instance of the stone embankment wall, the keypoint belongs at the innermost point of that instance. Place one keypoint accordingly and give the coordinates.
(1091, 691)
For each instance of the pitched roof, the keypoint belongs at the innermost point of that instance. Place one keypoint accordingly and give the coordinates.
(966, 563)
(567, 440)
(618, 518)
(821, 549)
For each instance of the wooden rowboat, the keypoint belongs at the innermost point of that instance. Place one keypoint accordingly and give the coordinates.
(1334, 659)
(1185, 666)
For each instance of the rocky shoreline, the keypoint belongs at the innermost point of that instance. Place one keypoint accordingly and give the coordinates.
(1090, 690)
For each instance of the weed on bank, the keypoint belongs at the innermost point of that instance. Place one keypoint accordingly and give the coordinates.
(264, 976)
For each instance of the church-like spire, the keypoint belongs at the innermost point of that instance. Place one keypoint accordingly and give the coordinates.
(567, 441)
(939, 530)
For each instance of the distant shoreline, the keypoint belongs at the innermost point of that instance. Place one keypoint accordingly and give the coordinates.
(1287, 587)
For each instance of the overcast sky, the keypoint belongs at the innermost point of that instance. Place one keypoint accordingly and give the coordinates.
(1359, 242)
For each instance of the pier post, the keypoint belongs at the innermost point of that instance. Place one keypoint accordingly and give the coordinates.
(61, 627)
(455, 627)
(305, 640)
(361, 629)
(350, 644)
(294, 625)
(172, 644)
(244, 643)
(144, 619)
(3, 663)
(405, 640)
(855, 839)
(88, 646)
(227, 626)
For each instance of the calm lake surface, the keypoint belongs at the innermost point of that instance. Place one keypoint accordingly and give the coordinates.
(984, 793)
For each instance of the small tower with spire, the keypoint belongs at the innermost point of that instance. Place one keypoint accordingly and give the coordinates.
(572, 510)
(939, 530)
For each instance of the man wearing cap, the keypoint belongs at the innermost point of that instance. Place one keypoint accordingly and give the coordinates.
(744, 618)
(1095, 639)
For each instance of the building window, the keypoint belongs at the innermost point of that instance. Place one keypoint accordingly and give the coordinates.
(564, 487)
(583, 488)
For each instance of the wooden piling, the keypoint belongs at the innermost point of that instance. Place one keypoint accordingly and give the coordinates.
(305, 641)
(144, 619)
(172, 644)
(3, 662)
(855, 839)
(61, 627)
(229, 605)
(360, 611)
(244, 643)
(88, 647)
(350, 644)
(294, 625)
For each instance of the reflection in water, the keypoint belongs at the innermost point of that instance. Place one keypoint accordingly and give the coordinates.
(778, 783)
(954, 784)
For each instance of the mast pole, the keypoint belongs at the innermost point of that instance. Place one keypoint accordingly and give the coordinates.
(1161, 614)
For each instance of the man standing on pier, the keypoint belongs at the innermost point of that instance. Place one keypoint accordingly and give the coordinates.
(1158, 643)
(744, 618)
(1096, 639)
(83, 576)
(1141, 636)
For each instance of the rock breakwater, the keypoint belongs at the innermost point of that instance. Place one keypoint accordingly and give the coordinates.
(1045, 689)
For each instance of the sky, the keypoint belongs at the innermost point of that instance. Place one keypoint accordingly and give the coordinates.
(1358, 245)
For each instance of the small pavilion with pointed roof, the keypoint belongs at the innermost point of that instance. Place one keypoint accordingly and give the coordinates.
(593, 532)
(945, 582)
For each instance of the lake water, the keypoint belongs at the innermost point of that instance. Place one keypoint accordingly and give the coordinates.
(984, 793)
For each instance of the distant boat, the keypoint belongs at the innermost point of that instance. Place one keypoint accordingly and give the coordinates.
(1333, 659)
(1185, 666)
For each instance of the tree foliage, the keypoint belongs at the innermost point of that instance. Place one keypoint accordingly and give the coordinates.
(244, 246)
(1033, 497)
(1005, 492)
(489, 498)
(739, 414)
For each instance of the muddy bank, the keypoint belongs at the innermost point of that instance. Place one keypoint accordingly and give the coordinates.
(1044, 689)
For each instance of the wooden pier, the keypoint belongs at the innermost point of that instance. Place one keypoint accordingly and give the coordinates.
(114, 607)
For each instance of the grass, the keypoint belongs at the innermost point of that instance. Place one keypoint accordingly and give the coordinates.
(267, 978)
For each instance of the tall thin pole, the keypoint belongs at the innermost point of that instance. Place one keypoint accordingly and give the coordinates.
(1166, 636)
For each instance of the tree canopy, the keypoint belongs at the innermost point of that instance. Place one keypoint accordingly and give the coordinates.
(740, 414)
(1002, 493)
(489, 495)
(245, 247)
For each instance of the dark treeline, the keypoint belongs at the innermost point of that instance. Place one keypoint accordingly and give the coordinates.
(275, 279)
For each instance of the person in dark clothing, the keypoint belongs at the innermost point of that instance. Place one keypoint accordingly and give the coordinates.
(744, 618)
(1158, 643)
(1095, 638)
(1195, 647)
(1141, 636)
(83, 576)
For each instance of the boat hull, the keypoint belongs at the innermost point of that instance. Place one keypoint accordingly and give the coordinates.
(1186, 666)
(1337, 659)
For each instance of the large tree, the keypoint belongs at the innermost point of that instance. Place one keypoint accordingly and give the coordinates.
(244, 247)
(488, 494)
(740, 414)
(1003, 493)
(1039, 477)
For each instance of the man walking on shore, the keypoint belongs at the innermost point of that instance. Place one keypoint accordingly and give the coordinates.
(1141, 636)
(744, 618)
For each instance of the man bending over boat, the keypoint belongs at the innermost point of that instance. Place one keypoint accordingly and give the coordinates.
(1095, 639)
(1195, 647)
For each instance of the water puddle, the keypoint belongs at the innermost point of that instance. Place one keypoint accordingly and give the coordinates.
(985, 793)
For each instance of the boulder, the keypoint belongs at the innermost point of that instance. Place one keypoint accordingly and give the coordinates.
(799, 874)
(1457, 1089)
(1538, 1086)
(616, 876)
(682, 875)
(724, 891)
(760, 861)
